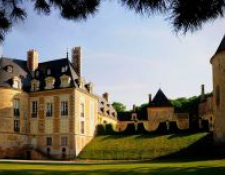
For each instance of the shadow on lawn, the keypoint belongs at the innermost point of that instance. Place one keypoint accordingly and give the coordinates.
(132, 171)
(203, 149)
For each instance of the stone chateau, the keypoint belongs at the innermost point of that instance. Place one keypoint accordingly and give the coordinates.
(47, 110)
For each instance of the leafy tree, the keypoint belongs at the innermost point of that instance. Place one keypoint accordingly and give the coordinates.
(185, 15)
(119, 107)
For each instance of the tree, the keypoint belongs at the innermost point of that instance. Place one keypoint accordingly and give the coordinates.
(119, 107)
(185, 15)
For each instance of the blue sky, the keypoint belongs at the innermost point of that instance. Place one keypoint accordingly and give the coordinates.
(125, 54)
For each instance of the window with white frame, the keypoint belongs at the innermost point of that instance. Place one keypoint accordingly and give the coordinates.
(64, 108)
(16, 107)
(34, 109)
(16, 83)
(49, 109)
(64, 141)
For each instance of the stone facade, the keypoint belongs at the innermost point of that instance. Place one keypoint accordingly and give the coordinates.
(218, 67)
(47, 111)
(159, 110)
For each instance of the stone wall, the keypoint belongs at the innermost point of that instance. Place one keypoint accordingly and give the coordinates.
(218, 67)
(11, 142)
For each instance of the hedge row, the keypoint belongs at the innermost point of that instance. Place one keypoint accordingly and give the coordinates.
(132, 129)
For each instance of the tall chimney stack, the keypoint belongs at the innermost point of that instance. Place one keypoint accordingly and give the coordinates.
(202, 92)
(76, 60)
(149, 98)
(106, 96)
(32, 60)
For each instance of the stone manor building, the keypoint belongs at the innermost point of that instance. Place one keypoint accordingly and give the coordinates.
(47, 110)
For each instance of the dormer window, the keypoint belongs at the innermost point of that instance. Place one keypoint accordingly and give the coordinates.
(35, 85)
(65, 81)
(16, 83)
(48, 71)
(9, 68)
(49, 83)
(64, 69)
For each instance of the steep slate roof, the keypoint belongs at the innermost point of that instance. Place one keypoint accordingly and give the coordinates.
(160, 100)
(55, 66)
(221, 46)
(20, 70)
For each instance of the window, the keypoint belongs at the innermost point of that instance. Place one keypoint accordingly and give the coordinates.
(82, 110)
(49, 141)
(82, 127)
(48, 71)
(16, 126)
(9, 69)
(49, 109)
(64, 68)
(64, 141)
(34, 109)
(16, 83)
(16, 107)
(49, 83)
(65, 81)
(64, 108)
(35, 85)
(218, 96)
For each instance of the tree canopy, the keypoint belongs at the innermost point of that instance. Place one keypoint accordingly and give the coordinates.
(119, 107)
(185, 15)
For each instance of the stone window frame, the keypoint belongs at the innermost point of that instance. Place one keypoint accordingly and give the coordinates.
(16, 83)
(35, 85)
(65, 81)
(49, 82)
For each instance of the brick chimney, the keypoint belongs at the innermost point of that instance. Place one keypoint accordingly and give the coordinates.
(32, 60)
(149, 98)
(90, 87)
(106, 96)
(134, 108)
(202, 92)
(76, 60)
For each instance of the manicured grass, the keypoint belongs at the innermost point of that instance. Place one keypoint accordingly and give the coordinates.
(216, 167)
(141, 146)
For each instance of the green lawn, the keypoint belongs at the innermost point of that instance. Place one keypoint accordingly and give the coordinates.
(146, 146)
(216, 167)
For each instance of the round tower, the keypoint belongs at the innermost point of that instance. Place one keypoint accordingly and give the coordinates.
(218, 70)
